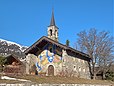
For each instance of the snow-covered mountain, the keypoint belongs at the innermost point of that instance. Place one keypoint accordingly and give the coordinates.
(8, 47)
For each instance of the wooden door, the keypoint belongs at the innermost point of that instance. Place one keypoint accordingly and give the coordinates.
(50, 70)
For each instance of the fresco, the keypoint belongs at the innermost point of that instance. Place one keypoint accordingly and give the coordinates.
(47, 57)
(37, 65)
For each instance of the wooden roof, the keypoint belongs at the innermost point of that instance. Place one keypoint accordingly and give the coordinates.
(10, 58)
(38, 45)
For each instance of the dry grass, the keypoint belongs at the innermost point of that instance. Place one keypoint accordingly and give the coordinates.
(63, 80)
(56, 80)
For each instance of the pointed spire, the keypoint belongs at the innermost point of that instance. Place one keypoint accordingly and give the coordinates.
(52, 23)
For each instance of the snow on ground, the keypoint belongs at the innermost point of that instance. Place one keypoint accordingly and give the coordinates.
(9, 78)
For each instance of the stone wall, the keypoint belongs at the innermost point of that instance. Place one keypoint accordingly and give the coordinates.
(75, 66)
(30, 84)
(62, 63)
(30, 61)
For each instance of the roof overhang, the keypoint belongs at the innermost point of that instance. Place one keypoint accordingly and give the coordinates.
(38, 45)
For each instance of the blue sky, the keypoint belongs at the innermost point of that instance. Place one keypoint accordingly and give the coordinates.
(25, 21)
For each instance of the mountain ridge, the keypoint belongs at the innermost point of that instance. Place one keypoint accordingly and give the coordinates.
(8, 47)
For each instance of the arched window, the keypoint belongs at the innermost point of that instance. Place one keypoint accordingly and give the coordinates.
(51, 32)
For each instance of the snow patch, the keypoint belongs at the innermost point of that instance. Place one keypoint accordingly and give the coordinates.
(9, 78)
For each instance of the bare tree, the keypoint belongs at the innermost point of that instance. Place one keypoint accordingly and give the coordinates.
(99, 46)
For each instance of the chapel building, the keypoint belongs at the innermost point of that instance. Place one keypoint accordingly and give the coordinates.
(48, 57)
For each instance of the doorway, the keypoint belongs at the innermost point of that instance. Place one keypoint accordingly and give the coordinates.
(50, 70)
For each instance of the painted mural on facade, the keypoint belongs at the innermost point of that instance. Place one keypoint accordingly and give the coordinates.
(49, 55)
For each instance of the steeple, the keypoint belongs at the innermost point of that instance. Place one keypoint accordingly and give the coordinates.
(52, 23)
(52, 30)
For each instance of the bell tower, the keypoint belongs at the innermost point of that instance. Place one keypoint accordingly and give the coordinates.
(53, 29)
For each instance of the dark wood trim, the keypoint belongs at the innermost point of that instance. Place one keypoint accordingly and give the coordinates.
(48, 40)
